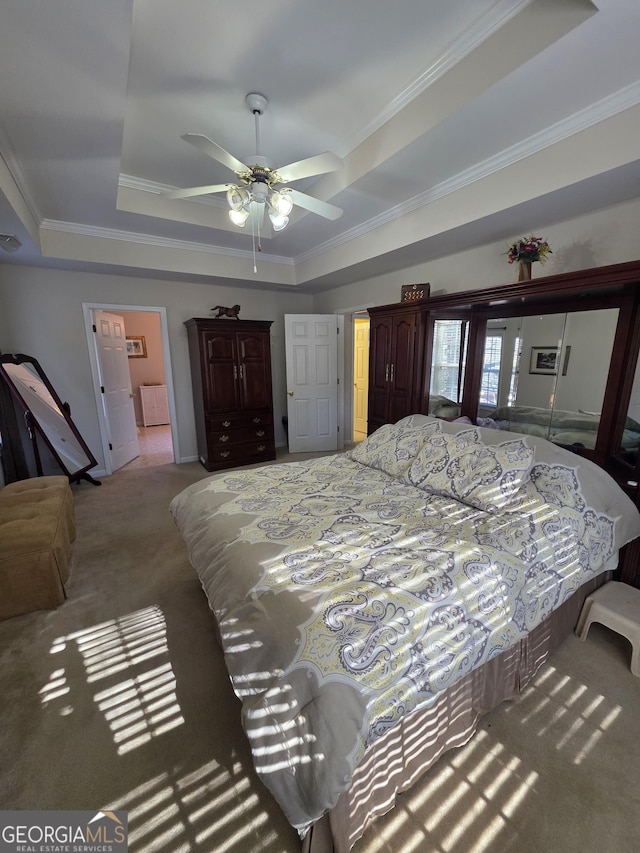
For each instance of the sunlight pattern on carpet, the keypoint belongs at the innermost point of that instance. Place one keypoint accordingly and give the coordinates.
(138, 702)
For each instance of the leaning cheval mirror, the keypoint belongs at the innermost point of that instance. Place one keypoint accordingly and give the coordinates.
(49, 437)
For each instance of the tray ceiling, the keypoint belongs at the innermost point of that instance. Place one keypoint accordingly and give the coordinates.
(457, 123)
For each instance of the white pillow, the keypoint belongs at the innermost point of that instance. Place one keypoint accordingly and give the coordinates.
(461, 467)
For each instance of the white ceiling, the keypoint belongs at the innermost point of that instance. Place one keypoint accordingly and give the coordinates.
(458, 123)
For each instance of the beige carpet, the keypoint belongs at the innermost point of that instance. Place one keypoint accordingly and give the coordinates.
(120, 699)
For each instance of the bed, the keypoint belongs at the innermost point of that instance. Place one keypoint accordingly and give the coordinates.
(443, 407)
(561, 427)
(372, 605)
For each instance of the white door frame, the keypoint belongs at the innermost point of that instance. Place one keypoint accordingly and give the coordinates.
(88, 309)
(345, 371)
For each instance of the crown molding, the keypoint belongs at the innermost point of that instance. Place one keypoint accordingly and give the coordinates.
(479, 31)
(80, 230)
(582, 120)
(17, 176)
(130, 182)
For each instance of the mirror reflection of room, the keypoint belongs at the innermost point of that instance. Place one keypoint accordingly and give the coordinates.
(448, 363)
(547, 375)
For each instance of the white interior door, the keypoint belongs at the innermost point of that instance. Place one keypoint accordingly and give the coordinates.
(360, 377)
(116, 381)
(311, 342)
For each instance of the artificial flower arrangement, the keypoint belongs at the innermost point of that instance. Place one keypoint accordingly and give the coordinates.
(529, 249)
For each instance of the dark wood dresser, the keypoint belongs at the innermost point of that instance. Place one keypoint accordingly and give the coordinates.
(231, 375)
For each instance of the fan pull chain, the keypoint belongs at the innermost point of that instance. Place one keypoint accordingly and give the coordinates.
(255, 216)
(253, 241)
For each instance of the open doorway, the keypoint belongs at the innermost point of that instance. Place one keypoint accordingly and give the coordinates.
(151, 383)
(360, 375)
(149, 389)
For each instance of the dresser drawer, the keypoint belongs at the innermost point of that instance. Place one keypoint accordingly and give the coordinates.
(230, 456)
(229, 437)
(238, 420)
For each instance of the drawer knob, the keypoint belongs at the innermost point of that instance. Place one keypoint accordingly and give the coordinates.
(261, 447)
(260, 433)
(224, 438)
(225, 453)
(257, 420)
(226, 423)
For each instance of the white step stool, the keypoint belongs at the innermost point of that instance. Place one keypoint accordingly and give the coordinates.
(617, 606)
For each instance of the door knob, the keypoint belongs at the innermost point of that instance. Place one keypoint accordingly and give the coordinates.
(290, 393)
(131, 395)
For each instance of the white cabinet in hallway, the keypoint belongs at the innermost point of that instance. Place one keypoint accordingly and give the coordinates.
(155, 405)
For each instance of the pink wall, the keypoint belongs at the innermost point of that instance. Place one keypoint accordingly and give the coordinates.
(149, 370)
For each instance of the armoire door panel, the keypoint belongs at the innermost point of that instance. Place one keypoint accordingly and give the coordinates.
(221, 387)
(251, 347)
(255, 386)
(380, 348)
(220, 347)
(221, 391)
(403, 357)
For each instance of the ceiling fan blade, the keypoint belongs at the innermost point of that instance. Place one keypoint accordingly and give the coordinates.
(322, 208)
(213, 150)
(191, 191)
(317, 165)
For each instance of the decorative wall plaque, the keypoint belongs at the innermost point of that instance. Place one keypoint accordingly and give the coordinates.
(414, 292)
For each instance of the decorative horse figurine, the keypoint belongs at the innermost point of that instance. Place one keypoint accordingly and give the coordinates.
(232, 312)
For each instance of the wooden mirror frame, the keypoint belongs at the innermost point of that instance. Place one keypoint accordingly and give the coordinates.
(616, 286)
(35, 427)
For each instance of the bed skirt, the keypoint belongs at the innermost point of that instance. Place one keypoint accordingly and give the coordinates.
(398, 758)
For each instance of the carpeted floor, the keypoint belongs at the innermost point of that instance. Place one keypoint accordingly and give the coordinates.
(120, 699)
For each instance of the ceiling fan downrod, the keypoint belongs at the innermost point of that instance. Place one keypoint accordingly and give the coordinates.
(257, 104)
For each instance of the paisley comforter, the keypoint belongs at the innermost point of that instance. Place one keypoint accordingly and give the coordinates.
(350, 589)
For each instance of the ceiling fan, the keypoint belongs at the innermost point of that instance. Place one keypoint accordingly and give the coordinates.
(260, 188)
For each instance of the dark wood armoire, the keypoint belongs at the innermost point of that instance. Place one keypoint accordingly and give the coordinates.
(395, 367)
(231, 375)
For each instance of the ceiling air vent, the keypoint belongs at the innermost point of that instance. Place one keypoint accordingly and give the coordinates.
(9, 243)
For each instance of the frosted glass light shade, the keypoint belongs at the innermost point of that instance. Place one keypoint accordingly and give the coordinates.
(239, 217)
(281, 203)
(278, 221)
(238, 198)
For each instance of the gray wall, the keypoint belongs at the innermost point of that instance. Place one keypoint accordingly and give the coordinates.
(41, 310)
(609, 236)
(42, 316)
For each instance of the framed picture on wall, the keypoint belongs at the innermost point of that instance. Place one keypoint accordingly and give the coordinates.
(544, 360)
(136, 346)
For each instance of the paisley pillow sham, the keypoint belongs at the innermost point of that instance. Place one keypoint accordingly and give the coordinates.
(461, 467)
(393, 447)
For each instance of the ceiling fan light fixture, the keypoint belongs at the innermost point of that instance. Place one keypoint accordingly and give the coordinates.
(259, 192)
(278, 220)
(238, 198)
(281, 203)
(239, 217)
(256, 195)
